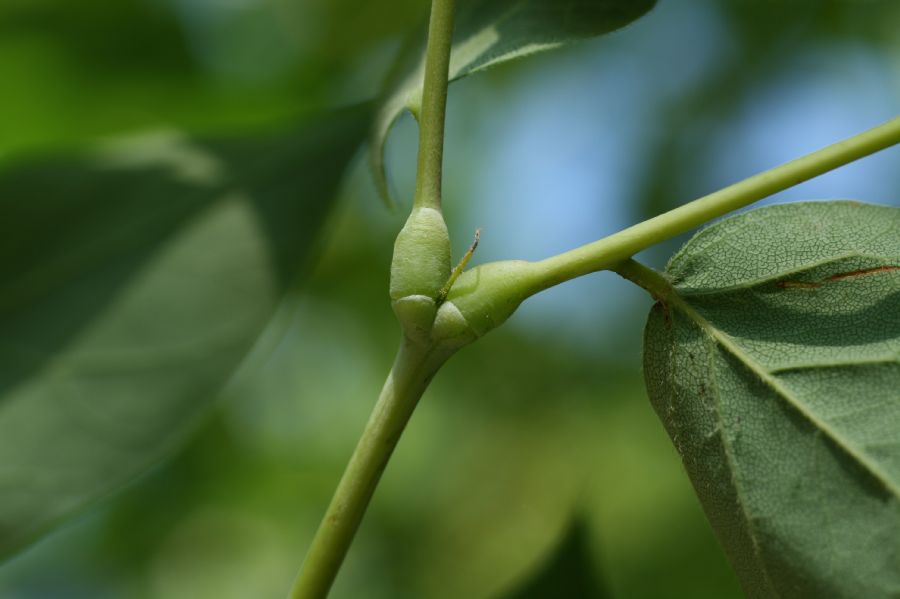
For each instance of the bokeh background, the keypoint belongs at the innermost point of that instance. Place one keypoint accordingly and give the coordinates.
(535, 456)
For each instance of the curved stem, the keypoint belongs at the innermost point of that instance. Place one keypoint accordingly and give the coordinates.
(429, 168)
(412, 371)
(606, 252)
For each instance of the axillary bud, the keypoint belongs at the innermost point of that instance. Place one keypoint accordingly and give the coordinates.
(420, 268)
(482, 299)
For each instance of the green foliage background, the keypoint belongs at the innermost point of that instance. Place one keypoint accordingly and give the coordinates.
(481, 490)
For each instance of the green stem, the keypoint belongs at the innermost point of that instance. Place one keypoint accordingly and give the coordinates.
(606, 252)
(434, 103)
(415, 364)
(412, 371)
(643, 276)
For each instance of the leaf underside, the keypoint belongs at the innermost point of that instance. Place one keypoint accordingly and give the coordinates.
(134, 280)
(487, 33)
(774, 364)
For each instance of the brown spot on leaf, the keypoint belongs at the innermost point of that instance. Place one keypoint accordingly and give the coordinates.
(862, 272)
(798, 284)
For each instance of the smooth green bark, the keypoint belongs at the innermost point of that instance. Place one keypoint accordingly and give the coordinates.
(420, 268)
(488, 294)
(413, 369)
(602, 254)
(429, 168)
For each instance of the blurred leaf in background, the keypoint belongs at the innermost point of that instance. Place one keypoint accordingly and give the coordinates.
(79, 71)
(568, 572)
(134, 282)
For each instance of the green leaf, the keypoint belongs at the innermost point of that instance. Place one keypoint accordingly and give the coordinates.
(487, 33)
(569, 573)
(133, 282)
(773, 360)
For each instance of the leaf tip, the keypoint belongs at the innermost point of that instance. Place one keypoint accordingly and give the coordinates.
(379, 177)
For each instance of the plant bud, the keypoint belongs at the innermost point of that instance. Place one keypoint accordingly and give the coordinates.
(451, 330)
(416, 314)
(482, 299)
(420, 268)
(421, 263)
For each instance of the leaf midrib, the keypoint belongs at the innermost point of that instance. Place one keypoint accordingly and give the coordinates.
(732, 464)
(727, 343)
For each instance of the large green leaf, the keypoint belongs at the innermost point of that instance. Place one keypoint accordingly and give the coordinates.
(133, 282)
(489, 32)
(774, 363)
